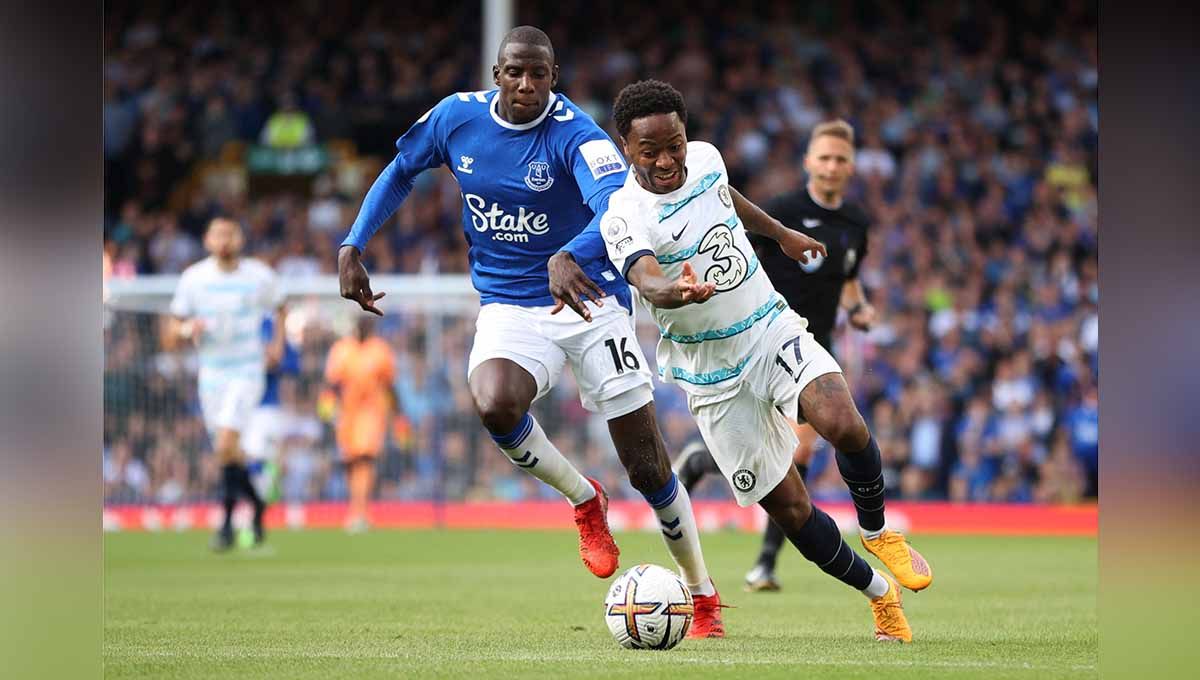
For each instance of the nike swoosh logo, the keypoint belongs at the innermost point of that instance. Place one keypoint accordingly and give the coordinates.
(675, 236)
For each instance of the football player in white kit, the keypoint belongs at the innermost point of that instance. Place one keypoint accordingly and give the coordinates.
(219, 304)
(677, 231)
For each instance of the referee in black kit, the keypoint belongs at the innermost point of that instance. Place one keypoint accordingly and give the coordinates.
(814, 290)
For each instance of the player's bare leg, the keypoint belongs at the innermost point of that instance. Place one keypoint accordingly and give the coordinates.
(816, 536)
(235, 481)
(696, 461)
(644, 454)
(826, 404)
(761, 577)
(360, 473)
(503, 392)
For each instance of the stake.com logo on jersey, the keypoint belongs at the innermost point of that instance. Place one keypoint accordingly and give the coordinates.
(507, 227)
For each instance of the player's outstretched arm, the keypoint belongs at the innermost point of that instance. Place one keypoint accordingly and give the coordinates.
(568, 283)
(794, 244)
(599, 171)
(645, 275)
(419, 149)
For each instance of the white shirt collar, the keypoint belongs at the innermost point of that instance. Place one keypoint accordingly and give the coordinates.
(520, 126)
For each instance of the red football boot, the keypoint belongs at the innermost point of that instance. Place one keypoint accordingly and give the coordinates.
(707, 621)
(596, 546)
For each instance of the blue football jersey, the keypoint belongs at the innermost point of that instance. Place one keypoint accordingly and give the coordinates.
(528, 191)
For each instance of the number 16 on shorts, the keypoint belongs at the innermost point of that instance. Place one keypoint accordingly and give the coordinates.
(622, 357)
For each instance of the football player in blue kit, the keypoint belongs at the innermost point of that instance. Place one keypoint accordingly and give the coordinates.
(534, 171)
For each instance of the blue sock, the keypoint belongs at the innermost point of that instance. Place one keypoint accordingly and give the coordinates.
(514, 439)
(821, 543)
(863, 474)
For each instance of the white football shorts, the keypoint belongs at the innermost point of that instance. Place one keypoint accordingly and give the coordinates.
(227, 400)
(747, 428)
(605, 357)
(264, 433)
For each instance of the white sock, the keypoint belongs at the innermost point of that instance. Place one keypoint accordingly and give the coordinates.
(529, 448)
(673, 508)
(878, 586)
(872, 535)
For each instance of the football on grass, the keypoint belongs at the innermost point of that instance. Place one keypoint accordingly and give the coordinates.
(648, 607)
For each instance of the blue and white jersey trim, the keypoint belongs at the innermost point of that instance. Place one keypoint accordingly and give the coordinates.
(711, 377)
(773, 307)
(705, 184)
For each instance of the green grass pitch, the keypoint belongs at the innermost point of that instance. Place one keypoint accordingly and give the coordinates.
(508, 604)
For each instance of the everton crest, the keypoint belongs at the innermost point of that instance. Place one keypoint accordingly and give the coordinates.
(538, 178)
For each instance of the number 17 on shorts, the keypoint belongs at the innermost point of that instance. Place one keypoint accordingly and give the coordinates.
(790, 359)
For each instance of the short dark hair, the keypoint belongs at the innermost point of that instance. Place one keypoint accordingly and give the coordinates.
(525, 35)
(646, 98)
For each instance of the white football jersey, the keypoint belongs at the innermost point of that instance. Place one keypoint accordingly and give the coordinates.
(705, 348)
(232, 306)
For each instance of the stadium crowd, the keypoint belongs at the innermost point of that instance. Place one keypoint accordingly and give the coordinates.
(977, 159)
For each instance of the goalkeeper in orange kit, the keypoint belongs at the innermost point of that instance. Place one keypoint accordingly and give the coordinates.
(360, 370)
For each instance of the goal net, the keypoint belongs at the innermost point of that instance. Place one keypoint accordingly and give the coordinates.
(156, 449)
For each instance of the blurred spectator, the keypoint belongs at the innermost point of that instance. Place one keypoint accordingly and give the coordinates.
(327, 211)
(217, 128)
(172, 250)
(289, 127)
(1084, 423)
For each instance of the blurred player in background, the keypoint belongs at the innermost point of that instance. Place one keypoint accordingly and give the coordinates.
(814, 290)
(746, 361)
(534, 171)
(263, 439)
(219, 304)
(361, 369)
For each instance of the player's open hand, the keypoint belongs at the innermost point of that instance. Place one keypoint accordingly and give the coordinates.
(354, 282)
(690, 290)
(569, 285)
(798, 246)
